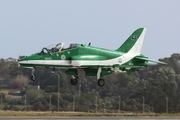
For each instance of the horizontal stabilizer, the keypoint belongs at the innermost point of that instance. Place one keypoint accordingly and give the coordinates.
(143, 58)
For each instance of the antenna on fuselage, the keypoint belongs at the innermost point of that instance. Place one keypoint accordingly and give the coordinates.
(89, 44)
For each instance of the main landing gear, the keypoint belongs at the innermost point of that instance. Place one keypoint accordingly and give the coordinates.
(101, 82)
(81, 74)
(74, 81)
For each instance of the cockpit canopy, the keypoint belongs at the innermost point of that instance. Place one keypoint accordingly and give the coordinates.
(58, 48)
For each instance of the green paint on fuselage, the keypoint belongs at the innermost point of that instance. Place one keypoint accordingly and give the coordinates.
(81, 51)
(104, 54)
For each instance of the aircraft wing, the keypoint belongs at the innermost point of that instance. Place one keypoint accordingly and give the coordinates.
(143, 58)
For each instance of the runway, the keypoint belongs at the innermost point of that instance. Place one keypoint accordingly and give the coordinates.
(85, 118)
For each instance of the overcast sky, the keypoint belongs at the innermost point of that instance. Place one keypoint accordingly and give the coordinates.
(28, 25)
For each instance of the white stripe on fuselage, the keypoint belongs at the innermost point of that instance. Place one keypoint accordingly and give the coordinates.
(134, 51)
(46, 62)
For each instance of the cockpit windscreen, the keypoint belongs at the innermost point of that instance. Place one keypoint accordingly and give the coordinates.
(58, 48)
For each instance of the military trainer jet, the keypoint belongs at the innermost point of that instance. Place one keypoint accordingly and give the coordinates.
(85, 60)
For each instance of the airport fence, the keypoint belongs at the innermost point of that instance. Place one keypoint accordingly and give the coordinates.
(73, 103)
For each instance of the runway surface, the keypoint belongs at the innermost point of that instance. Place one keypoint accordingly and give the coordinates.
(86, 118)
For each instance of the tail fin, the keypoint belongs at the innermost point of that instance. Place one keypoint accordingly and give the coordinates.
(134, 43)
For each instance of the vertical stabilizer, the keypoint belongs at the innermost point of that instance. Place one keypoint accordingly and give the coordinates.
(134, 43)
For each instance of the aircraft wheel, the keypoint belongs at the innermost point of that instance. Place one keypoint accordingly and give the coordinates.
(101, 82)
(33, 78)
(74, 81)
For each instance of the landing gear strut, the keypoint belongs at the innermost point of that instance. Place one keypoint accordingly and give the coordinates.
(33, 77)
(101, 82)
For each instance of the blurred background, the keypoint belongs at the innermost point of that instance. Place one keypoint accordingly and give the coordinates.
(28, 26)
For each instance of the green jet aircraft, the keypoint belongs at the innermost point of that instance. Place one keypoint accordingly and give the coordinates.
(85, 60)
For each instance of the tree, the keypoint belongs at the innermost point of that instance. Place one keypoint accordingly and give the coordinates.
(19, 82)
(33, 95)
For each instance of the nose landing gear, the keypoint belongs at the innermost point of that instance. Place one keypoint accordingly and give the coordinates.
(33, 77)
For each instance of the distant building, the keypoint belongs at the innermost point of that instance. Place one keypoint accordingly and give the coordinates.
(5, 81)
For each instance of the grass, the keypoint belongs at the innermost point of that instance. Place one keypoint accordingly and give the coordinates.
(32, 113)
